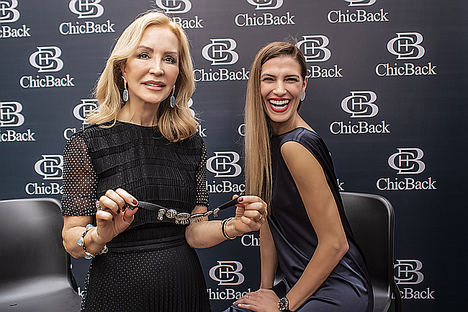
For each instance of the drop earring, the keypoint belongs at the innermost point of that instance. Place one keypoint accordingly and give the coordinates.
(172, 99)
(302, 96)
(125, 91)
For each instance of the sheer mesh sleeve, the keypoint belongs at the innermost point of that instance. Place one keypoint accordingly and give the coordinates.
(79, 180)
(202, 193)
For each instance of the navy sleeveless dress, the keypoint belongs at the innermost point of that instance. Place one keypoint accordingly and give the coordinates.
(347, 288)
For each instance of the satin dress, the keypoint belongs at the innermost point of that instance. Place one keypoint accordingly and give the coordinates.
(347, 288)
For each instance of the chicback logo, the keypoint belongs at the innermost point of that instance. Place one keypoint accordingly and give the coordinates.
(221, 51)
(358, 15)
(360, 104)
(360, 2)
(81, 112)
(50, 167)
(46, 60)
(266, 4)
(407, 161)
(180, 7)
(85, 9)
(224, 165)
(264, 18)
(408, 272)
(8, 11)
(10, 14)
(226, 273)
(10, 116)
(315, 49)
(406, 46)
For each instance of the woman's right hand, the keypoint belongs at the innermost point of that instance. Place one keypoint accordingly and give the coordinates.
(111, 217)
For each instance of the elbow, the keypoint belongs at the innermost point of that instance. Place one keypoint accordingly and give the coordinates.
(192, 241)
(343, 248)
(339, 247)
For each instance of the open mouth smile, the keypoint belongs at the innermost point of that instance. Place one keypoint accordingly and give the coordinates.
(279, 105)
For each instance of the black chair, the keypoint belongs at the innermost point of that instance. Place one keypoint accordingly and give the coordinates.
(34, 269)
(372, 221)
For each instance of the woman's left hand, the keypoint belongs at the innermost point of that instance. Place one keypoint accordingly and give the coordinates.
(262, 300)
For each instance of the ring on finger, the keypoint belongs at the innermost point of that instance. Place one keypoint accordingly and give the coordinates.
(246, 296)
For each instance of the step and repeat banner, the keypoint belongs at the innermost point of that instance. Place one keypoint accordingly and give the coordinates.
(386, 90)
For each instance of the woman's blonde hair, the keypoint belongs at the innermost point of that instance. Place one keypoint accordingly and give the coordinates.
(176, 123)
(258, 175)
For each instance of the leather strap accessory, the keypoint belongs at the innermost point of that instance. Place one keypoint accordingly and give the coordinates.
(183, 218)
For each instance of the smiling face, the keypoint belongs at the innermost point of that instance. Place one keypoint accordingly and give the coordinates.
(152, 70)
(281, 85)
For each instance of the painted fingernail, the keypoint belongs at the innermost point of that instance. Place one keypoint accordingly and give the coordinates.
(134, 202)
(240, 199)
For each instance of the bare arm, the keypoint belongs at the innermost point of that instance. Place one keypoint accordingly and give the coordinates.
(268, 257)
(324, 217)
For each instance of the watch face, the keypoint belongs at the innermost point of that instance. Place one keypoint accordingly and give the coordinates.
(283, 304)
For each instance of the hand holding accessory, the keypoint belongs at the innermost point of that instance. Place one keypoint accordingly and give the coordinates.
(80, 242)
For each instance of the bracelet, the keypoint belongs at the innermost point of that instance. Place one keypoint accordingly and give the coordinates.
(80, 242)
(223, 228)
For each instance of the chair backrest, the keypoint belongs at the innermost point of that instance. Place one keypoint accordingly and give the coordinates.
(31, 241)
(372, 220)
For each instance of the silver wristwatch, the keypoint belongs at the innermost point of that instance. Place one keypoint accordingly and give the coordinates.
(283, 304)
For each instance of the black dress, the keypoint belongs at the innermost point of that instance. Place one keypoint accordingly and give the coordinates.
(347, 288)
(150, 266)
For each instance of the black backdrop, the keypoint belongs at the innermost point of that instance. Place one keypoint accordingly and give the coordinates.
(387, 91)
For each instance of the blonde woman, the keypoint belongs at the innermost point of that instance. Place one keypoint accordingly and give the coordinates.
(142, 148)
(306, 237)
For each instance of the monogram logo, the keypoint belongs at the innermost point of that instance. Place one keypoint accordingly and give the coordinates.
(227, 273)
(10, 115)
(8, 11)
(82, 110)
(360, 104)
(46, 59)
(224, 164)
(360, 2)
(407, 161)
(408, 272)
(221, 51)
(314, 48)
(86, 8)
(50, 167)
(174, 6)
(266, 4)
(406, 46)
